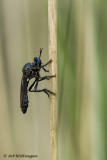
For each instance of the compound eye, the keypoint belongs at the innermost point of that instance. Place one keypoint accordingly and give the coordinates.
(39, 61)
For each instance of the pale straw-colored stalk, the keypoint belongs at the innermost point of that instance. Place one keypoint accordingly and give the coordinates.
(52, 37)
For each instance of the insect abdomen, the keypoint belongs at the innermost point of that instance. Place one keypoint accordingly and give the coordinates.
(25, 104)
(23, 95)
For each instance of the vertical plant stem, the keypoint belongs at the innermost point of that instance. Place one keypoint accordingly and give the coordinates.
(52, 31)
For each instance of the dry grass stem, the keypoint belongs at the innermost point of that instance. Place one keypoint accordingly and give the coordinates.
(52, 30)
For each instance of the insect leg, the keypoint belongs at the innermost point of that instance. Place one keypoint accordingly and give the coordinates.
(32, 85)
(46, 91)
(46, 64)
(45, 69)
(46, 77)
(40, 90)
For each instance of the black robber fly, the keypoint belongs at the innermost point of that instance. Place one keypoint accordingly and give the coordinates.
(32, 70)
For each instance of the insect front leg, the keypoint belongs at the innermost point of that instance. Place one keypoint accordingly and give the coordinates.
(46, 64)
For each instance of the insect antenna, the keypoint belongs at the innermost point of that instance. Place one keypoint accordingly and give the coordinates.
(40, 52)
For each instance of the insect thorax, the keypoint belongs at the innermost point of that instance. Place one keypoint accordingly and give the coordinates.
(30, 70)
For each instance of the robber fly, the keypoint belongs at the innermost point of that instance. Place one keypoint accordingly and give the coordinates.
(32, 70)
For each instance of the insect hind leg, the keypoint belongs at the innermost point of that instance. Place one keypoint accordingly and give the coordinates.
(40, 90)
(33, 85)
(43, 90)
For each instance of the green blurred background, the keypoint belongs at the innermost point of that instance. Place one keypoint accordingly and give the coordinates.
(82, 87)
